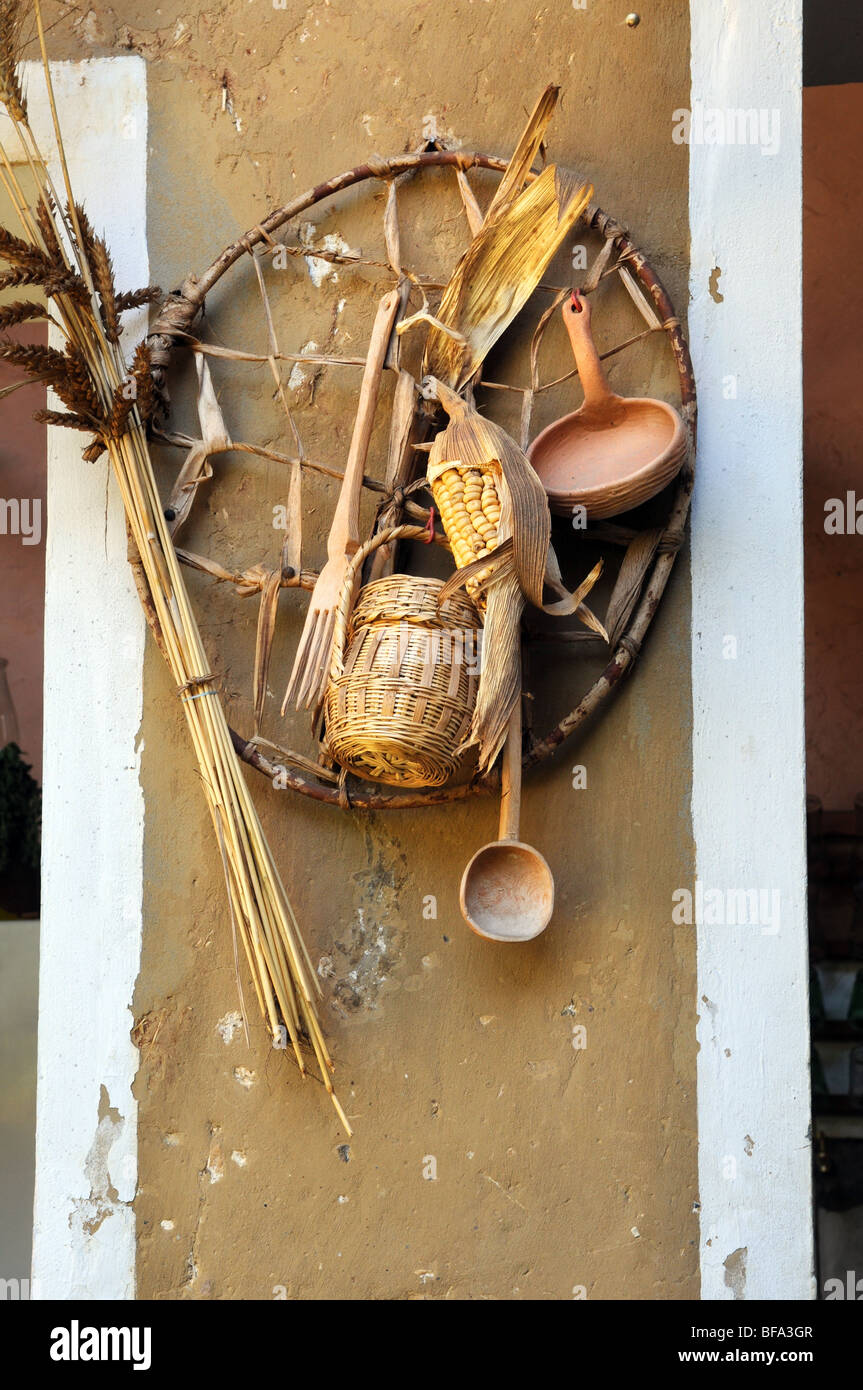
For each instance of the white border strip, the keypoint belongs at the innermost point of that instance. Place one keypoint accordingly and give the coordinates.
(748, 791)
(86, 1144)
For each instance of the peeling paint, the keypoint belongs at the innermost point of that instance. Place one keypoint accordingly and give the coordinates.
(215, 1167)
(735, 1271)
(88, 1213)
(228, 1026)
(319, 268)
(714, 286)
(298, 375)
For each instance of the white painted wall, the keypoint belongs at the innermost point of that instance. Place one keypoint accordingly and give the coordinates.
(748, 792)
(86, 1145)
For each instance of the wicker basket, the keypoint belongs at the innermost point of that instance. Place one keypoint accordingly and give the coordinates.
(403, 677)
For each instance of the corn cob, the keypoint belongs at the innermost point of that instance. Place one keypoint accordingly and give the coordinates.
(469, 504)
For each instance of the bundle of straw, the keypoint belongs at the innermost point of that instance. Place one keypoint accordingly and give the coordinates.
(61, 253)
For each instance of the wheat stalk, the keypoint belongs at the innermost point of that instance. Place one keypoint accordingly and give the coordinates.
(61, 252)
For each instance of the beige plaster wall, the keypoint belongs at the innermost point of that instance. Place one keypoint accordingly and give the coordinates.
(491, 1158)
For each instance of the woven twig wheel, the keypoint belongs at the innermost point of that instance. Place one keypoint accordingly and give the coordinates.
(174, 323)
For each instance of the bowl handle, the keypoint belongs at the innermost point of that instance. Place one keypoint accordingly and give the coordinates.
(576, 316)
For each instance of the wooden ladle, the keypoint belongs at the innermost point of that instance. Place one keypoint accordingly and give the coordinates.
(507, 890)
(614, 452)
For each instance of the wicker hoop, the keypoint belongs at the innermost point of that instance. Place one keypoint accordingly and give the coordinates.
(403, 677)
(170, 331)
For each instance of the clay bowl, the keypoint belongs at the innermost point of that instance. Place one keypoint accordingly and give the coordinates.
(614, 452)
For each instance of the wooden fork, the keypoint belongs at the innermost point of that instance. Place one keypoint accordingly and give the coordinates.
(312, 662)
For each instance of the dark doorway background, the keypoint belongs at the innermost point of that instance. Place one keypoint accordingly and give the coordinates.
(22, 604)
(833, 544)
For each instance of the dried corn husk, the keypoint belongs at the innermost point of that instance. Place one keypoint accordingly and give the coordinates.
(525, 152)
(473, 442)
(499, 272)
(495, 513)
(500, 671)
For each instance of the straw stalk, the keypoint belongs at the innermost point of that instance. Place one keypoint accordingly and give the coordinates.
(60, 253)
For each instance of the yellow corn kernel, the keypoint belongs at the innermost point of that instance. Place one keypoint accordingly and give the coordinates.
(469, 506)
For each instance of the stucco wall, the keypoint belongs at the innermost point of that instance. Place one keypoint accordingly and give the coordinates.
(555, 1170)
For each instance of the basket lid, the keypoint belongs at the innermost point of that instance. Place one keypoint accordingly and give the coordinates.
(410, 598)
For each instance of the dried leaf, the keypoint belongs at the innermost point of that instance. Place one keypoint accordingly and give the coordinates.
(499, 272)
(286, 755)
(292, 550)
(391, 229)
(500, 673)
(498, 563)
(399, 466)
(267, 614)
(94, 451)
(636, 562)
(472, 209)
(215, 439)
(638, 297)
(524, 154)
